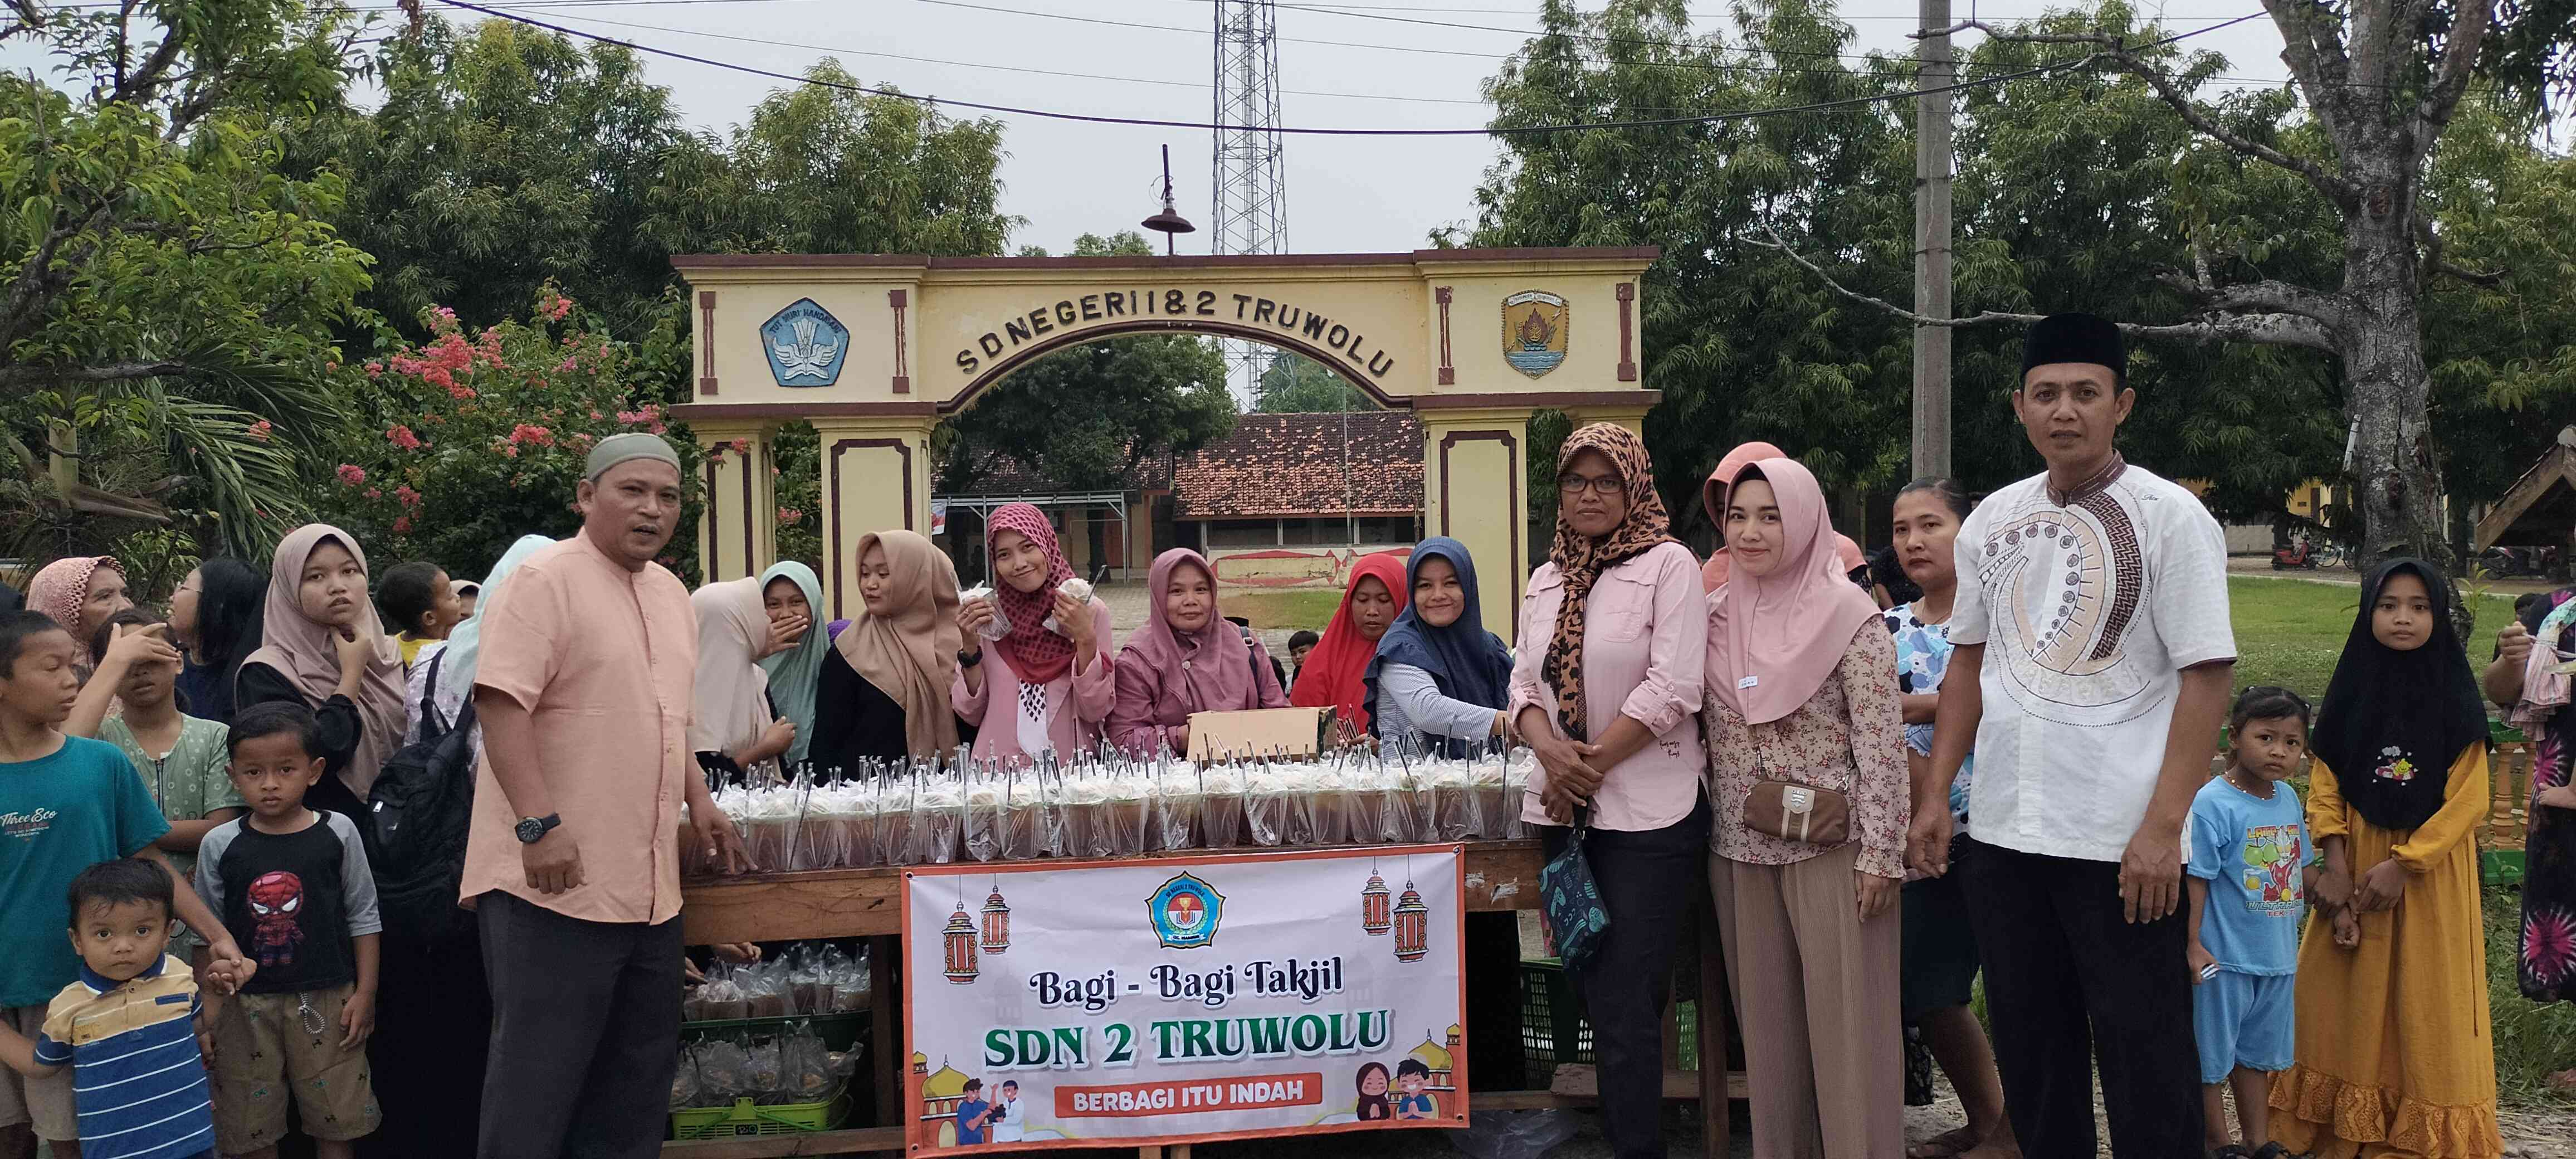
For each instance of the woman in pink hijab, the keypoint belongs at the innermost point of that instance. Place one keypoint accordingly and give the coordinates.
(1800, 709)
(1185, 659)
(80, 593)
(1712, 575)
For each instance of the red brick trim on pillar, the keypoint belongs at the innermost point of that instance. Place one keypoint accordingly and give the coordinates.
(1627, 332)
(1511, 447)
(707, 342)
(1448, 373)
(715, 517)
(837, 543)
(898, 299)
(750, 513)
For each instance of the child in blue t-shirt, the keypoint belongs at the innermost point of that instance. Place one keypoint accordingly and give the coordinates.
(2248, 851)
(66, 803)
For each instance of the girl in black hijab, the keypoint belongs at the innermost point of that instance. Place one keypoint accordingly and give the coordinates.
(2394, 803)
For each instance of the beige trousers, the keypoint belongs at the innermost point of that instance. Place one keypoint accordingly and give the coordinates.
(1816, 994)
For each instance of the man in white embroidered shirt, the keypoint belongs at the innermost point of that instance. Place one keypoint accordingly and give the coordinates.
(2097, 622)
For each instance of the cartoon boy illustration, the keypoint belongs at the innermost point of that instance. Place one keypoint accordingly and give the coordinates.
(1412, 1075)
(973, 1114)
(1010, 1123)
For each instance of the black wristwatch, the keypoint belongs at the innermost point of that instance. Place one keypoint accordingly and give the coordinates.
(534, 829)
(970, 659)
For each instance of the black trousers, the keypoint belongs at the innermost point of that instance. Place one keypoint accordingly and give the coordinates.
(585, 1033)
(1649, 881)
(433, 1036)
(2071, 985)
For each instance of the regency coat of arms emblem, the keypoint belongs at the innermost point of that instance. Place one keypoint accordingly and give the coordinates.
(1536, 325)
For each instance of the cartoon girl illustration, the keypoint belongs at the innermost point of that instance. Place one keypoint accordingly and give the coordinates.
(1373, 1106)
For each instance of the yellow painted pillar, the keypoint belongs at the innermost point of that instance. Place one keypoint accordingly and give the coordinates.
(738, 533)
(876, 477)
(1474, 467)
(1629, 415)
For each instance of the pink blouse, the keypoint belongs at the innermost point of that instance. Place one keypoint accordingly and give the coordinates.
(1077, 703)
(1848, 737)
(1152, 712)
(1645, 648)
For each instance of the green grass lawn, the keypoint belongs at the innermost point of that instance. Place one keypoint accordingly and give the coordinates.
(2290, 633)
(1301, 608)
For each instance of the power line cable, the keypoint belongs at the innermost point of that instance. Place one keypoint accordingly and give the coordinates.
(1489, 131)
(544, 8)
(836, 51)
(1411, 49)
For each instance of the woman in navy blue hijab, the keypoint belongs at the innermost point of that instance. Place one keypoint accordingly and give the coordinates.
(1439, 676)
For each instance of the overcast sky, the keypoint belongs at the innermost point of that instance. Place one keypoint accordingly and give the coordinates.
(1367, 63)
(1344, 194)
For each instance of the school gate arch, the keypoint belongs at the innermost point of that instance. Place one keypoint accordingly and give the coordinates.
(874, 349)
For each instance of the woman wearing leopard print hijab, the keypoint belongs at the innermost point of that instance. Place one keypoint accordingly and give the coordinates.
(1613, 642)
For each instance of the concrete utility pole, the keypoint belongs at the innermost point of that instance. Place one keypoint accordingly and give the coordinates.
(1932, 241)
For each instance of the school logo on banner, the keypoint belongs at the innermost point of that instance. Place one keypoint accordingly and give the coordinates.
(1535, 328)
(1185, 912)
(805, 344)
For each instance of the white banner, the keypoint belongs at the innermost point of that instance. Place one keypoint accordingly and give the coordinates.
(1172, 1000)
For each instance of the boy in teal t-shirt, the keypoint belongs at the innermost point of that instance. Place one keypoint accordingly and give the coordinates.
(66, 803)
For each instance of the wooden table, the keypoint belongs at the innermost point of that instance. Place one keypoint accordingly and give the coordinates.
(868, 903)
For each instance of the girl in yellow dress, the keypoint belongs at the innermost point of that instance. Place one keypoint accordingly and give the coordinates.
(2395, 1056)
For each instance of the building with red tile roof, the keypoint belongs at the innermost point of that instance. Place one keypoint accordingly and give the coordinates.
(1297, 495)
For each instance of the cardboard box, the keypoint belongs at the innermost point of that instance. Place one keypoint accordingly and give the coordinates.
(1296, 732)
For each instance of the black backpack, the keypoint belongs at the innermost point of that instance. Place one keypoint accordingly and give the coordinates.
(423, 804)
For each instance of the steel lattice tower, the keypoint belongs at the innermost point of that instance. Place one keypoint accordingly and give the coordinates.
(1250, 215)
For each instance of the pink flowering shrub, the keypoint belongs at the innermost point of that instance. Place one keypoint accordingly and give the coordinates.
(474, 439)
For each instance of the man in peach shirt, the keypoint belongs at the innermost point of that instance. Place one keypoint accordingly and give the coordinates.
(584, 693)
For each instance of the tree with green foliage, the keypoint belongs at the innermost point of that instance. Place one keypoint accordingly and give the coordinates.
(1084, 417)
(1740, 342)
(504, 158)
(825, 167)
(166, 286)
(1295, 384)
(2380, 83)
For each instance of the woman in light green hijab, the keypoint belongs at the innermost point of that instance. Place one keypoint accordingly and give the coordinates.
(790, 591)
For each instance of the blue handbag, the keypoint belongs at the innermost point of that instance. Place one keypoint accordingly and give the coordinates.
(1572, 901)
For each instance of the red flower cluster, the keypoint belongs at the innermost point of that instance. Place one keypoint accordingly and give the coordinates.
(523, 433)
(406, 496)
(401, 436)
(261, 430)
(352, 474)
(790, 515)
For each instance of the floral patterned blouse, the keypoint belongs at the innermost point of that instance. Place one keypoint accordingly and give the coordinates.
(1849, 737)
(1922, 659)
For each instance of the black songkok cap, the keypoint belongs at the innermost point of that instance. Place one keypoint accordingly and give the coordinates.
(2077, 338)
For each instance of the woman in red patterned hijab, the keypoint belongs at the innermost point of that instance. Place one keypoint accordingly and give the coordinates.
(1053, 680)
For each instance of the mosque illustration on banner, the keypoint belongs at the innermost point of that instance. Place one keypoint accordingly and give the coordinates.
(944, 1091)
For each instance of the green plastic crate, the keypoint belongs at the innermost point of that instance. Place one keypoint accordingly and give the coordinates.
(1554, 1031)
(743, 1118)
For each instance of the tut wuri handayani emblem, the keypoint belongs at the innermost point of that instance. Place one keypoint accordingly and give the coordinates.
(1536, 325)
(805, 345)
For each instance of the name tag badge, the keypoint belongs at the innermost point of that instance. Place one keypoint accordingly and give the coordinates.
(1748, 681)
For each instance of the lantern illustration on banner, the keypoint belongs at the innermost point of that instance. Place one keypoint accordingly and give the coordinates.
(997, 921)
(959, 940)
(1375, 916)
(1412, 926)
